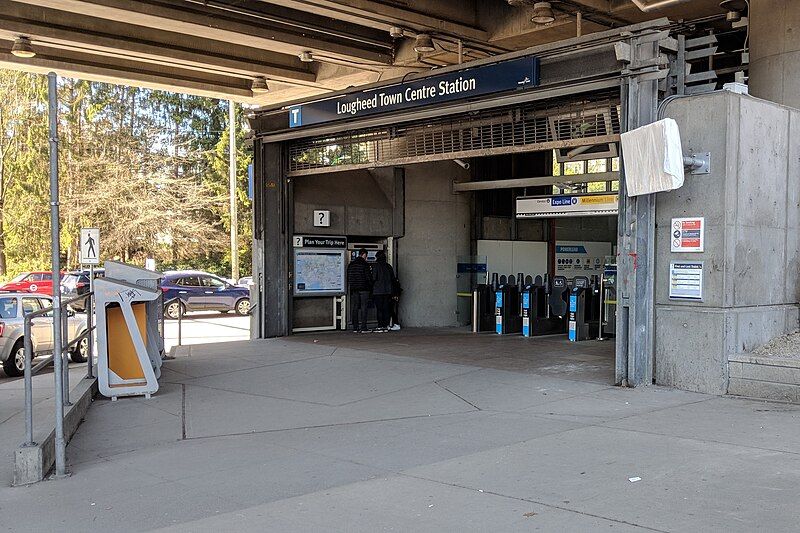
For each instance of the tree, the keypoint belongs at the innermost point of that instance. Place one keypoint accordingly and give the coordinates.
(144, 166)
(24, 232)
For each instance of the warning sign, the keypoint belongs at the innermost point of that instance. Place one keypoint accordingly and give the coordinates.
(687, 234)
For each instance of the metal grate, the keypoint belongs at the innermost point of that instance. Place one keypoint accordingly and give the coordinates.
(593, 120)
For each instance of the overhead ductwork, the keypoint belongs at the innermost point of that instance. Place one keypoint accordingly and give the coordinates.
(650, 5)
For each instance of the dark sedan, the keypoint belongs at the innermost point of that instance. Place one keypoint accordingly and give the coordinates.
(188, 290)
(76, 283)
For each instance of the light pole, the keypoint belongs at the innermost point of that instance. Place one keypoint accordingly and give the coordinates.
(232, 179)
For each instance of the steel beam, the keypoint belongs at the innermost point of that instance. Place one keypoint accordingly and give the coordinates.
(382, 16)
(127, 75)
(277, 33)
(534, 182)
(636, 232)
(166, 51)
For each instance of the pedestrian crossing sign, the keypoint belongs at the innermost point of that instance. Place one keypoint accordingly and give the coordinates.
(90, 246)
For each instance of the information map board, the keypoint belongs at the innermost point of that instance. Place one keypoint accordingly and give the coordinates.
(319, 272)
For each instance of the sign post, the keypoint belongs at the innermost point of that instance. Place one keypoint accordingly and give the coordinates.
(90, 255)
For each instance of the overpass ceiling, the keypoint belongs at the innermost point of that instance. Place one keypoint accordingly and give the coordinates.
(217, 47)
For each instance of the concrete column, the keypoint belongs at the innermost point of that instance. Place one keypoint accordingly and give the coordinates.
(775, 51)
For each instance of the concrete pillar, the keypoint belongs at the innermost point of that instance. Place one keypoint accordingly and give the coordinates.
(775, 51)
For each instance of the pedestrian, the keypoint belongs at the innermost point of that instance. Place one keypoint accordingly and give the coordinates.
(394, 304)
(382, 290)
(359, 283)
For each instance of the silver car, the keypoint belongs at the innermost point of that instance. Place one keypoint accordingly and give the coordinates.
(13, 308)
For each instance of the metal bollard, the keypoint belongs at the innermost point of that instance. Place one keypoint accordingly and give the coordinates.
(28, 384)
(180, 322)
(89, 306)
(65, 354)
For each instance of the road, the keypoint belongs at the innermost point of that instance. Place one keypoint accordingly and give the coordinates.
(205, 327)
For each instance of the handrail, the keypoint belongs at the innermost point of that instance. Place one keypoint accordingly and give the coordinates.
(30, 371)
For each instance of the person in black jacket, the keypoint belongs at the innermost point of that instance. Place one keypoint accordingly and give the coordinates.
(382, 289)
(359, 283)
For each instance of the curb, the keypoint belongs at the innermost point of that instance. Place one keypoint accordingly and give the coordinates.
(33, 463)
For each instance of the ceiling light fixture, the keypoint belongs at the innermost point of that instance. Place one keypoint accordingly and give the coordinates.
(307, 56)
(396, 32)
(22, 47)
(259, 85)
(543, 13)
(423, 43)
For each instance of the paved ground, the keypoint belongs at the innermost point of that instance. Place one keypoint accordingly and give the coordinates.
(344, 434)
(204, 327)
(12, 421)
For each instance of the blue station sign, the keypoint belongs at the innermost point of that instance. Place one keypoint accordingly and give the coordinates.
(515, 74)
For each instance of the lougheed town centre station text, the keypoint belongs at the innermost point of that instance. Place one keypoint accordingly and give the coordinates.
(411, 94)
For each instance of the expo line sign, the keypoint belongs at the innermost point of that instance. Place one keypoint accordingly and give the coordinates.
(514, 74)
(568, 205)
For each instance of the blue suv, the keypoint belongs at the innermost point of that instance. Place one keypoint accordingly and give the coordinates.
(188, 290)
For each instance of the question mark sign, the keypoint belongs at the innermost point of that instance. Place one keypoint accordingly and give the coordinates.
(321, 217)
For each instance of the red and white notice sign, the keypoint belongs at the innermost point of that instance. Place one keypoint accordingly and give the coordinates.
(687, 234)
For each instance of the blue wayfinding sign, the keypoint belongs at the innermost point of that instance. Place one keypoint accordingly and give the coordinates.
(515, 74)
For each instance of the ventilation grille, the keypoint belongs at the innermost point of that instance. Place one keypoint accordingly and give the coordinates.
(536, 126)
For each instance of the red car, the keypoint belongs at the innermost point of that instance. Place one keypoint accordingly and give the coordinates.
(41, 282)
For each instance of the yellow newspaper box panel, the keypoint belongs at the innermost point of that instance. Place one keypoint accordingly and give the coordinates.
(124, 365)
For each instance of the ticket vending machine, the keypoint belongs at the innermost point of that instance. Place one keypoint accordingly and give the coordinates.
(582, 322)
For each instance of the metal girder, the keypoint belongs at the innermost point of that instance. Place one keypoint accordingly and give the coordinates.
(171, 51)
(383, 16)
(261, 32)
(636, 238)
(534, 182)
(465, 154)
(188, 82)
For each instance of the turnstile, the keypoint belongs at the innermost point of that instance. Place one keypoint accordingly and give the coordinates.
(507, 308)
(608, 300)
(583, 308)
(537, 317)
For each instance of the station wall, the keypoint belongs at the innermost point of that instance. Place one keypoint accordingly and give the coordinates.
(437, 231)
(751, 262)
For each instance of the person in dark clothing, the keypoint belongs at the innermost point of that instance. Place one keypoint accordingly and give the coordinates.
(359, 283)
(382, 289)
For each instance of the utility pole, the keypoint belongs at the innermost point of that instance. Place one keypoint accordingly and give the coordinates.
(232, 177)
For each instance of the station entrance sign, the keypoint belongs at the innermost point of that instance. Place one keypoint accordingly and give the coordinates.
(511, 75)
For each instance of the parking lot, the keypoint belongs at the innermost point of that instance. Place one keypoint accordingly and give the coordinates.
(203, 327)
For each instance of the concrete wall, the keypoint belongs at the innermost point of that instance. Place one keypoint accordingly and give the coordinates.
(750, 202)
(437, 231)
(594, 229)
(361, 203)
(775, 51)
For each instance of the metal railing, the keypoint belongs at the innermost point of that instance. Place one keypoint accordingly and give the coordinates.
(30, 370)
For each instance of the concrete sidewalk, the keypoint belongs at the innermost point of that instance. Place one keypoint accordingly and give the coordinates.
(296, 435)
(12, 415)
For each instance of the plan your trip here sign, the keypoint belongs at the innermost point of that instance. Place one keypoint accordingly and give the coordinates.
(515, 74)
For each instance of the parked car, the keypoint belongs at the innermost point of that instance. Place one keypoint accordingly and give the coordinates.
(39, 282)
(77, 283)
(189, 290)
(13, 309)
